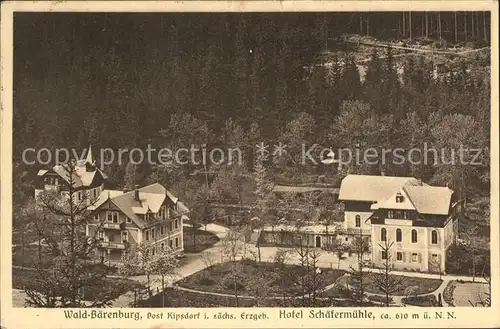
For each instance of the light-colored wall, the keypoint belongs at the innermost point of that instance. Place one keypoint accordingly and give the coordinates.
(406, 263)
(88, 193)
(113, 235)
(423, 236)
(137, 235)
(37, 194)
(168, 234)
(167, 241)
(350, 219)
(423, 247)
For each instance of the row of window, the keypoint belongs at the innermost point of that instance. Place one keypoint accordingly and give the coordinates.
(51, 180)
(414, 236)
(172, 243)
(92, 193)
(399, 234)
(150, 233)
(163, 214)
(392, 214)
(101, 236)
(415, 257)
(398, 214)
(112, 217)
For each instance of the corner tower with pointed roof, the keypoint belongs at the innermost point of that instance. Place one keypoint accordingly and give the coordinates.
(88, 180)
(90, 159)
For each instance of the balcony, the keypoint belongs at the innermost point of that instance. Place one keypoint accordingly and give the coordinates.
(114, 226)
(113, 245)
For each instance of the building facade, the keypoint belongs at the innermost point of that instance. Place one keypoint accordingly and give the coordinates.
(419, 222)
(149, 216)
(87, 180)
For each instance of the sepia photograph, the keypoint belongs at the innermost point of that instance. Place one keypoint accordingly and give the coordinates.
(289, 160)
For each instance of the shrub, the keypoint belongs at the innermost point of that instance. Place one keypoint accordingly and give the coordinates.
(448, 292)
(230, 284)
(377, 298)
(206, 281)
(426, 300)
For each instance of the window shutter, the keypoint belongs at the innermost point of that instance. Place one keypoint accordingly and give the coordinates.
(404, 256)
(419, 257)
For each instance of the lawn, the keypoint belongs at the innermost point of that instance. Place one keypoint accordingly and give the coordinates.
(338, 291)
(422, 285)
(179, 298)
(27, 279)
(425, 301)
(198, 242)
(467, 293)
(254, 278)
(380, 299)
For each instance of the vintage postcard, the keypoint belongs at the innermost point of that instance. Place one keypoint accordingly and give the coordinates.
(249, 164)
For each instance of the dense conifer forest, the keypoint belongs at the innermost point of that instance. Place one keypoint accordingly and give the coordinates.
(126, 80)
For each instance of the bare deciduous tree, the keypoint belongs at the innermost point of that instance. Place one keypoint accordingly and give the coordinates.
(484, 300)
(281, 259)
(233, 248)
(165, 264)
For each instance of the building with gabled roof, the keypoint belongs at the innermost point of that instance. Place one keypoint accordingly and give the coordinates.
(88, 180)
(420, 221)
(150, 216)
(120, 219)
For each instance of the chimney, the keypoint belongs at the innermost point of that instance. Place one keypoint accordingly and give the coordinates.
(136, 192)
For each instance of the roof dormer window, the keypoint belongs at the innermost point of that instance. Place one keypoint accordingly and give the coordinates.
(399, 198)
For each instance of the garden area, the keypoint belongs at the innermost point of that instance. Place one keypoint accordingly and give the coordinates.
(422, 285)
(256, 278)
(424, 301)
(179, 298)
(197, 240)
(466, 294)
(114, 287)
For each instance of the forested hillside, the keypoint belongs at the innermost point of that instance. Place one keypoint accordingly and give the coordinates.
(126, 80)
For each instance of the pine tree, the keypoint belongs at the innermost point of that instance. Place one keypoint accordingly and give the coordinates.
(351, 83)
(241, 69)
(391, 86)
(73, 268)
(373, 84)
(384, 281)
(358, 277)
(282, 92)
(263, 187)
(318, 94)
